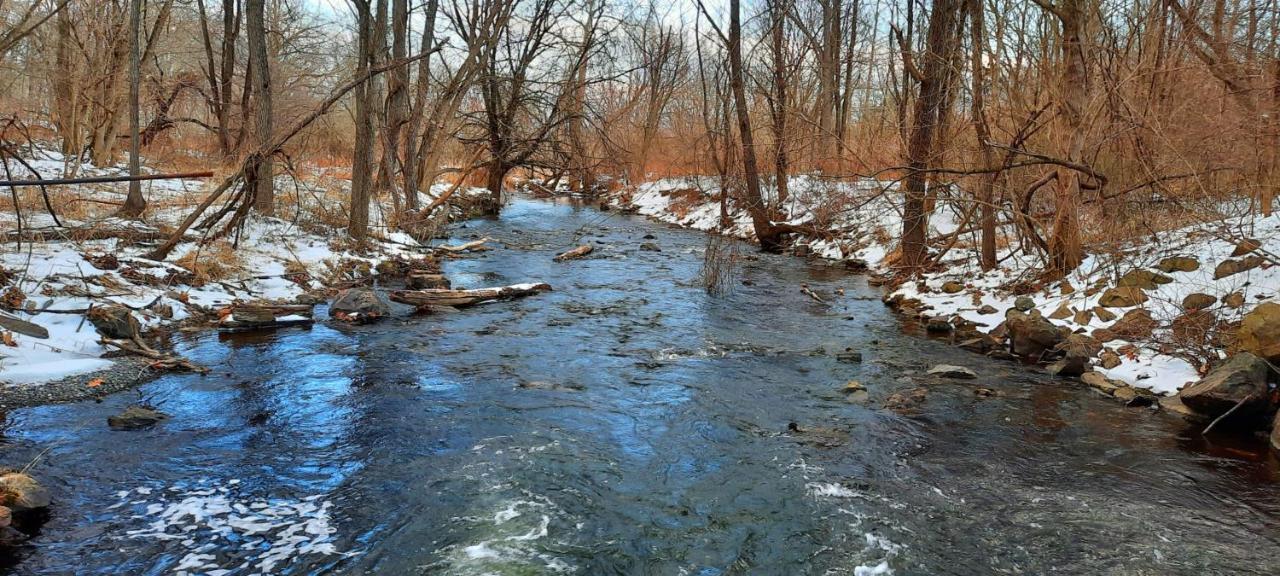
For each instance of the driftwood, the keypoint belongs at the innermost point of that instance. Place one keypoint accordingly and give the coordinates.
(474, 245)
(465, 298)
(810, 293)
(418, 281)
(245, 317)
(246, 326)
(573, 254)
(161, 361)
(23, 327)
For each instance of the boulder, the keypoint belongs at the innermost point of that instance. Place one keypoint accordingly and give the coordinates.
(1109, 359)
(1143, 279)
(1083, 317)
(313, 297)
(1024, 304)
(1102, 383)
(949, 371)
(1079, 345)
(1233, 267)
(1178, 264)
(952, 287)
(1198, 301)
(1068, 366)
(650, 247)
(1062, 313)
(359, 305)
(987, 309)
(1122, 297)
(1242, 379)
(938, 325)
(136, 418)
(1245, 246)
(1259, 332)
(1031, 334)
(20, 492)
(115, 321)
(1234, 300)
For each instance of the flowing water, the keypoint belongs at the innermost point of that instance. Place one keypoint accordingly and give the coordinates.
(628, 423)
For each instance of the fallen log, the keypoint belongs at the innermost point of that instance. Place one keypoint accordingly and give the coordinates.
(282, 322)
(160, 360)
(465, 298)
(23, 327)
(474, 245)
(573, 254)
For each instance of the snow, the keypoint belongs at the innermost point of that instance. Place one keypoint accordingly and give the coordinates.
(59, 276)
(863, 219)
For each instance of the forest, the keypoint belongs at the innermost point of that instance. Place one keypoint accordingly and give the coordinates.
(612, 286)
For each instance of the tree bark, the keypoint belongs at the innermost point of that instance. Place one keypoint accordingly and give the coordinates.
(134, 203)
(770, 238)
(260, 75)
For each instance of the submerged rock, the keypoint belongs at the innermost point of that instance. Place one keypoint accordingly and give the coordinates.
(650, 247)
(906, 401)
(136, 418)
(950, 371)
(1102, 383)
(1241, 380)
(850, 356)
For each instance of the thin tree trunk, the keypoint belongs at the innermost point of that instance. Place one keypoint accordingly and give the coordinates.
(986, 182)
(134, 203)
(263, 183)
(769, 236)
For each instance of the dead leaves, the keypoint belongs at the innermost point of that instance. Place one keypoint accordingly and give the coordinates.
(96, 382)
(8, 339)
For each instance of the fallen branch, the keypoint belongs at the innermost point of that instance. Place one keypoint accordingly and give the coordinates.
(464, 247)
(162, 361)
(23, 327)
(574, 254)
(1224, 415)
(465, 298)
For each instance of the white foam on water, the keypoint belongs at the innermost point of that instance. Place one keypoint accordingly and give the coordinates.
(274, 532)
(513, 539)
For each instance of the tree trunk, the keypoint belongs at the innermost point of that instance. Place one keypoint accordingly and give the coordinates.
(422, 89)
(362, 161)
(770, 237)
(777, 20)
(1065, 247)
(134, 203)
(928, 114)
(263, 179)
(986, 182)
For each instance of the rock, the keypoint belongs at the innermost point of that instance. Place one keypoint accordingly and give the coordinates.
(1242, 379)
(1066, 288)
(359, 305)
(1140, 400)
(1198, 301)
(1178, 264)
(1142, 279)
(952, 287)
(1245, 246)
(427, 281)
(853, 386)
(6, 517)
(1234, 300)
(1100, 382)
(1109, 359)
(1126, 393)
(1062, 313)
(1069, 366)
(987, 309)
(1083, 317)
(955, 372)
(1173, 405)
(980, 343)
(938, 325)
(650, 247)
(1134, 325)
(985, 392)
(849, 356)
(20, 492)
(1122, 297)
(136, 418)
(1024, 304)
(313, 297)
(1031, 334)
(1103, 314)
(1259, 332)
(252, 315)
(115, 321)
(1079, 345)
(907, 401)
(1232, 267)
(1103, 335)
(649, 237)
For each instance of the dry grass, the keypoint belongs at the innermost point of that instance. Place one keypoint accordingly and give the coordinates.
(212, 262)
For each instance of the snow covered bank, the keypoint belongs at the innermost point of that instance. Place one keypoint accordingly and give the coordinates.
(54, 281)
(1162, 309)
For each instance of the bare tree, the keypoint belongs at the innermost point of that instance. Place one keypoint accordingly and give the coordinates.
(262, 181)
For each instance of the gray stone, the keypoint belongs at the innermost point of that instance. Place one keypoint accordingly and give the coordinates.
(359, 305)
(136, 418)
(1241, 380)
(949, 371)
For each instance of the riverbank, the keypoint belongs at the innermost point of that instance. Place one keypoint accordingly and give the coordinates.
(1161, 311)
(59, 268)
